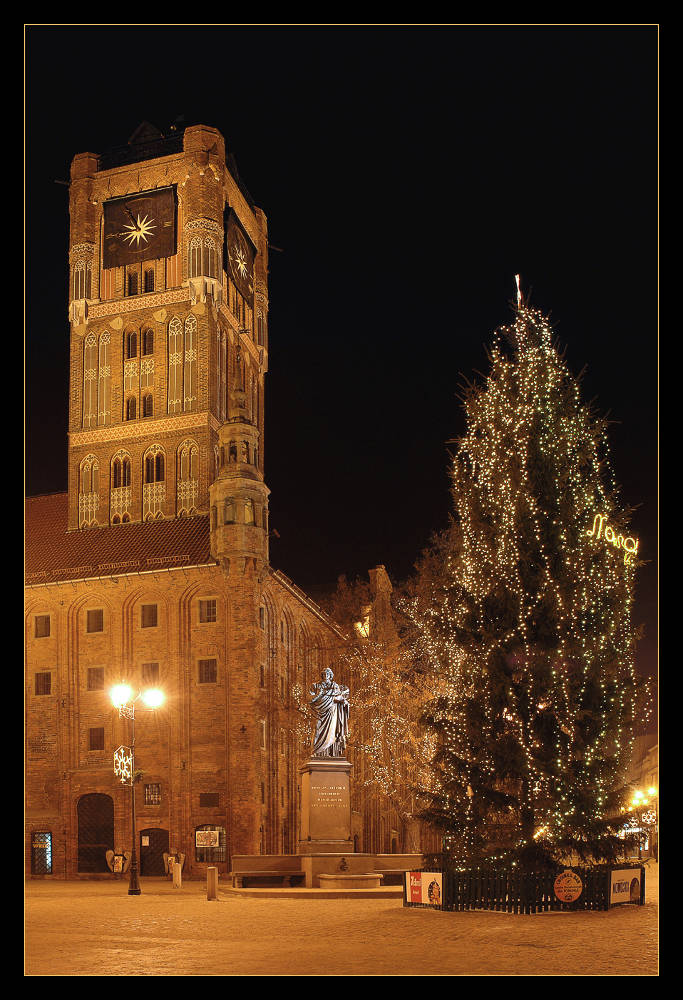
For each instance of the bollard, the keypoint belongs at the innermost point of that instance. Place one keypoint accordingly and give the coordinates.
(212, 883)
(177, 875)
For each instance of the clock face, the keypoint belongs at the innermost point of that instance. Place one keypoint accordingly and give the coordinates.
(240, 260)
(139, 227)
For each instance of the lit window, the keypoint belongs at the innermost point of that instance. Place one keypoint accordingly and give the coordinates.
(210, 843)
(153, 794)
(41, 853)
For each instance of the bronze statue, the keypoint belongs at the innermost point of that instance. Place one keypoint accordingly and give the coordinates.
(331, 703)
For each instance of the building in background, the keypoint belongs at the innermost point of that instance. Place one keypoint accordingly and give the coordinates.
(153, 568)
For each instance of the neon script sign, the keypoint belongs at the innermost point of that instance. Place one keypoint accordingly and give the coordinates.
(602, 530)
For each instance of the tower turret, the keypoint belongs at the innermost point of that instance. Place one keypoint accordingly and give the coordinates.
(239, 496)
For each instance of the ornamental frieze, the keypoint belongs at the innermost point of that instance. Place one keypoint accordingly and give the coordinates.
(208, 224)
(82, 253)
(150, 301)
(131, 431)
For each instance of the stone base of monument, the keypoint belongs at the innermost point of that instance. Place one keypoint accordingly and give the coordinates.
(325, 842)
(342, 880)
(325, 805)
(315, 866)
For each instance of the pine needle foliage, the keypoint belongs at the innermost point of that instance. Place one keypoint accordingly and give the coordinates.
(522, 615)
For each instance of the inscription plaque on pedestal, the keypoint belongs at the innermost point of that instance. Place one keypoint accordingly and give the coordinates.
(325, 805)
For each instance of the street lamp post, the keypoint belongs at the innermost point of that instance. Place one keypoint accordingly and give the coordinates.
(124, 761)
(640, 807)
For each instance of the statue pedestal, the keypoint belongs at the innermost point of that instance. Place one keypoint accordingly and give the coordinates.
(325, 841)
(325, 806)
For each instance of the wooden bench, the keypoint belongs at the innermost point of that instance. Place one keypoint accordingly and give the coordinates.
(391, 876)
(271, 869)
(394, 866)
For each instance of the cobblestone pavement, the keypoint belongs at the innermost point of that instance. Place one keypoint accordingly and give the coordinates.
(96, 929)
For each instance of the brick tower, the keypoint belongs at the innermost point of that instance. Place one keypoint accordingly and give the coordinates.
(168, 307)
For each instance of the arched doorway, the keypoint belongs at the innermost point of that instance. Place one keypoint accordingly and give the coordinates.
(153, 846)
(95, 832)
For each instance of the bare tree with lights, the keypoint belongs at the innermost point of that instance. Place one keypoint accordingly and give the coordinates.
(390, 746)
(521, 613)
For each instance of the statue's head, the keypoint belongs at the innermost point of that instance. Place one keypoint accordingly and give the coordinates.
(327, 674)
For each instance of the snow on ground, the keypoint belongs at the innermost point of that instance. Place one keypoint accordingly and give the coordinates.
(84, 928)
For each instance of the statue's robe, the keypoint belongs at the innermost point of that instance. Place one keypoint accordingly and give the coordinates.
(331, 704)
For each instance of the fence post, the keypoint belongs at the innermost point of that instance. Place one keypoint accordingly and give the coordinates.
(177, 875)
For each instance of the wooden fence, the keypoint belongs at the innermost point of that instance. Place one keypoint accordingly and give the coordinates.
(529, 892)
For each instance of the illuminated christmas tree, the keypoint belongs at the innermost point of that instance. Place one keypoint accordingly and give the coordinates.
(522, 614)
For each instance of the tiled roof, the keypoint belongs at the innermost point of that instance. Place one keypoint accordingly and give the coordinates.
(53, 553)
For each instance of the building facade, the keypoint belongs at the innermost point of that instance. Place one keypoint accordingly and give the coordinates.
(153, 568)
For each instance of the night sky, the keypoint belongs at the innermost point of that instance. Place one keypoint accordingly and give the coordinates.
(407, 173)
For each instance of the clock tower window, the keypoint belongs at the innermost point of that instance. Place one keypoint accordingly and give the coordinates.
(131, 408)
(121, 494)
(154, 486)
(188, 478)
(96, 380)
(148, 279)
(81, 281)
(203, 257)
(182, 365)
(132, 281)
(88, 492)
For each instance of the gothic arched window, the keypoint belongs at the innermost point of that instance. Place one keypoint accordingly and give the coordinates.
(190, 364)
(187, 477)
(148, 342)
(121, 494)
(104, 381)
(195, 256)
(154, 486)
(175, 366)
(88, 491)
(210, 258)
(131, 408)
(90, 381)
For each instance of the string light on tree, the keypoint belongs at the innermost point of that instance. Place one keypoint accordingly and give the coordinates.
(526, 628)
